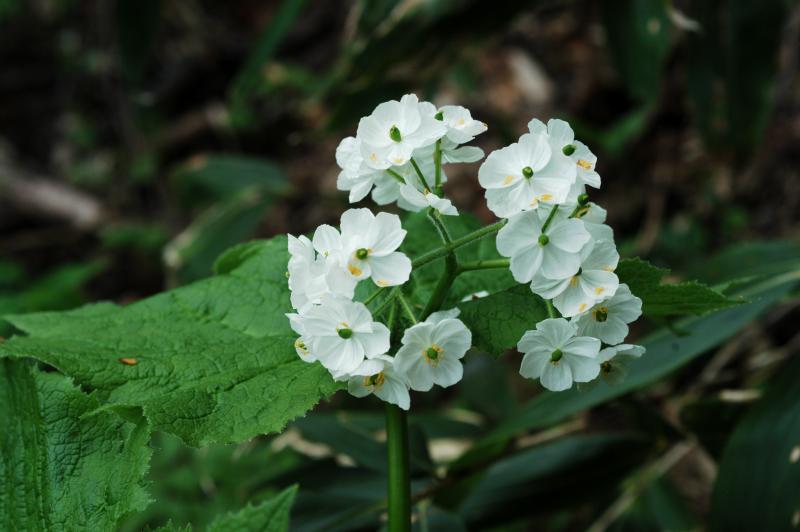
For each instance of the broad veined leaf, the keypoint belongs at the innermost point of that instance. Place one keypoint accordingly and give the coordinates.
(499, 320)
(60, 467)
(675, 299)
(271, 515)
(758, 485)
(666, 352)
(210, 362)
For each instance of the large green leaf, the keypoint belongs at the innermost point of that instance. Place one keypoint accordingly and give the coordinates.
(60, 467)
(210, 362)
(270, 516)
(758, 486)
(499, 320)
(666, 352)
(674, 299)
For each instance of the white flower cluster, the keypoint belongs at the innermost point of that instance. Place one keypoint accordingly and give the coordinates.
(393, 153)
(558, 243)
(555, 239)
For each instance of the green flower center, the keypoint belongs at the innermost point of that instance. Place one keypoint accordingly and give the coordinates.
(362, 253)
(544, 239)
(568, 150)
(583, 199)
(345, 333)
(601, 314)
(605, 367)
(527, 172)
(432, 353)
(375, 380)
(556, 355)
(439, 116)
(394, 134)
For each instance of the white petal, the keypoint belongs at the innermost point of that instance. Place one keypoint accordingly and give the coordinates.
(392, 270)
(556, 331)
(525, 264)
(556, 377)
(375, 342)
(522, 231)
(569, 235)
(582, 346)
(533, 364)
(327, 240)
(394, 391)
(436, 317)
(386, 234)
(584, 369)
(560, 132)
(558, 264)
(448, 372)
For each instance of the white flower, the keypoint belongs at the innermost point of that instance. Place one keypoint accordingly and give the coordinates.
(614, 361)
(394, 130)
(453, 153)
(368, 244)
(312, 276)
(341, 333)
(301, 345)
(553, 252)
(461, 127)
(387, 186)
(556, 356)
(378, 376)
(355, 177)
(594, 217)
(422, 200)
(432, 350)
(562, 140)
(594, 281)
(520, 176)
(609, 319)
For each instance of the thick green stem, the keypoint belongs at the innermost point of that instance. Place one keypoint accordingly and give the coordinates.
(488, 264)
(457, 243)
(398, 461)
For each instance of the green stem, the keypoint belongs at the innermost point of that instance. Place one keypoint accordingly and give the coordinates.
(391, 297)
(406, 307)
(432, 255)
(550, 218)
(395, 175)
(551, 311)
(450, 268)
(437, 162)
(419, 173)
(488, 264)
(372, 296)
(398, 460)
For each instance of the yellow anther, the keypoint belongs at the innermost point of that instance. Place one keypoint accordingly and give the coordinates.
(586, 165)
(508, 179)
(355, 270)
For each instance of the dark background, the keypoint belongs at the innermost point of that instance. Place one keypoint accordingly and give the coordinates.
(139, 139)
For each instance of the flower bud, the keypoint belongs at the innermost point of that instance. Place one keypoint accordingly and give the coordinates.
(583, 199)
